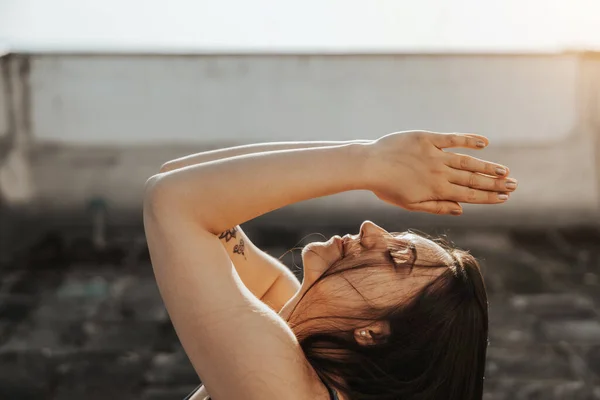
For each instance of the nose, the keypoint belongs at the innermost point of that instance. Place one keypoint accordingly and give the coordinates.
(370, 233)
(370, 228)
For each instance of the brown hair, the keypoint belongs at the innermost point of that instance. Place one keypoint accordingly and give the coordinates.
(439, 335)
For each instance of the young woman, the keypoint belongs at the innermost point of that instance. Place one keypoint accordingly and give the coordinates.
(378, 315)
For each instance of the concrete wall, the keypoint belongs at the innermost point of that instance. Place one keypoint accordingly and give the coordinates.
(3, 96)
(16, 180)
(116, 100)
(591, 118)
(102, 122)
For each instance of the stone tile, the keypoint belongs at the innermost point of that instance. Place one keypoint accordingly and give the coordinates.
(533, 361)
(15, 308)
(495, 396)
(100, 330)
(67, 309)
(141, 300)
(582, 237)
(133, 298)
(167, 341)
(46, 335)
(530, 389)
(553, 305)
(592, 357)
(572, 331)
(168, 369)
(78, 298)
(508, 327)
(123, 336)
(170, 393)
(100, 375)
(512, 275)
(33, 283)
(26, 375)
(9, 280)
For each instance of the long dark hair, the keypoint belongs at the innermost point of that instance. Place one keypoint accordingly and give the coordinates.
(438, 342)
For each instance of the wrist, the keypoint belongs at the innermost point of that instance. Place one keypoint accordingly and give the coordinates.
(365, 164)
(354, 164)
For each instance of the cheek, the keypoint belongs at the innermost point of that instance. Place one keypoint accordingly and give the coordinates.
(346, 292)
(332, 297)
(382, 288)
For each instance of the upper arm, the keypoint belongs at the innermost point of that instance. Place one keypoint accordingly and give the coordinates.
(239, 346)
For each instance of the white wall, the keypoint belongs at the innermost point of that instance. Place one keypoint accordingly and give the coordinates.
(16, 179)
(121, 109)
(527, 99)
(3, 98)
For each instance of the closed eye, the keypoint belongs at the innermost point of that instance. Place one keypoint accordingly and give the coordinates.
(404, 258)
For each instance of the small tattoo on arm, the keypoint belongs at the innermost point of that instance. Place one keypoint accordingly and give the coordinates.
(229, 234)
(239, 248)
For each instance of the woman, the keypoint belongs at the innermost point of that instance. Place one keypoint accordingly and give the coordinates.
(377, 315)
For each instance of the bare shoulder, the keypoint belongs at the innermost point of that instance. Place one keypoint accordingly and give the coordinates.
(238, 345)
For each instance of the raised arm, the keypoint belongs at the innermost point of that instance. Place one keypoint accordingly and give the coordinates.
(407, 169)
(224, 193)
(265, 276)
(220, 154)
(239, 346)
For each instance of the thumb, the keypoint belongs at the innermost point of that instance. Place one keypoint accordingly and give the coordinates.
(439, 207)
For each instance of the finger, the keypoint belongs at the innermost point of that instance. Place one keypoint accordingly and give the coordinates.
(466, 140)
(439, 207)
(483, 182)
(464, 194)
(468, 163)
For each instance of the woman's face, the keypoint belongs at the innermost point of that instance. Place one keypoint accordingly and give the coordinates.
(381, 285)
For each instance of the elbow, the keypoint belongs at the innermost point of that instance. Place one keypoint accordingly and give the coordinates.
(164, 198)
(160, 199)
(155, 194)
(167, 167)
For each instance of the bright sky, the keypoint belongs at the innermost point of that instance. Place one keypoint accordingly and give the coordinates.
(300, 25)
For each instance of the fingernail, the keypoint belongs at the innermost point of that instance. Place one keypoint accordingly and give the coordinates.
(480, 143)
(512, 184)
(500, 171)
(503, 196)
(456, 212)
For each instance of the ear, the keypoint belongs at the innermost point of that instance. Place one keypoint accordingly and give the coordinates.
(375, 333)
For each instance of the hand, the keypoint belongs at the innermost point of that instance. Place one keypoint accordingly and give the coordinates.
(411, 170)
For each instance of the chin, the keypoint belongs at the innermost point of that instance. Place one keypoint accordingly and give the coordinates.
(312, 248)
(317, 257)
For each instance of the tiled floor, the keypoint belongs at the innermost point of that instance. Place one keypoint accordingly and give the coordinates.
(75, 325)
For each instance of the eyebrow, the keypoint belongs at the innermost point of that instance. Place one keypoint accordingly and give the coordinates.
(415, 248)
(412, 242)
(413, 257)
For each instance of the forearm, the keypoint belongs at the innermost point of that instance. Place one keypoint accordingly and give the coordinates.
(225, 193)
(219, 154)
(265, 276)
